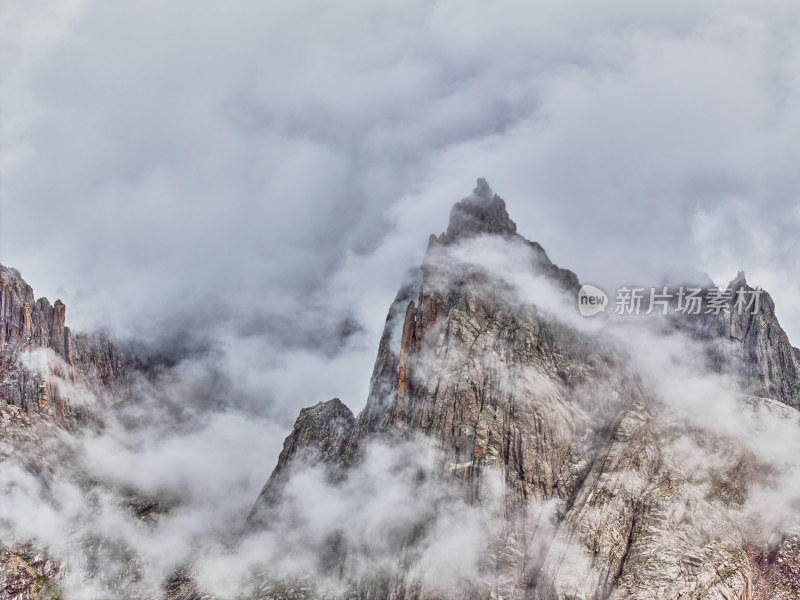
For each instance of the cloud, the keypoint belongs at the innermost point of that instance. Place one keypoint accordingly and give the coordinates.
(244, 186)
(163, 479)
(394, 505)
(262, 151)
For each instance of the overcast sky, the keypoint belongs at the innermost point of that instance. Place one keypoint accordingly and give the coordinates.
(264, 173)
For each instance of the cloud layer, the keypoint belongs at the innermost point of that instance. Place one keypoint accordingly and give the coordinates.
(174, 163)
(253, 180)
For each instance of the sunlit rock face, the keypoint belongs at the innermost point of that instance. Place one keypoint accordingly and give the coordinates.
(508, 448)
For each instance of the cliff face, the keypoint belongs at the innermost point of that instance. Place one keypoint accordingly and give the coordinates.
(567, 419)
(29, 321)
(748, 343)
(38, 353)
(763, 354)
(321, 434)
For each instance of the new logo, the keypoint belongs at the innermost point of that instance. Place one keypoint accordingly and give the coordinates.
(591, 300)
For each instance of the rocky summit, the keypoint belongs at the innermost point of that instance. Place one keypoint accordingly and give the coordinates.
(508, 447)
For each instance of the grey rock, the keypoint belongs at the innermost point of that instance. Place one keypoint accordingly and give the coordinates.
(321, 434)
(88, 363)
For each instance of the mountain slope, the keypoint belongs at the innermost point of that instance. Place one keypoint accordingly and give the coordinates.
(481, 357)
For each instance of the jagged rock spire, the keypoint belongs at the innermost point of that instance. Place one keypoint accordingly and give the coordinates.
(321, 433)
(29, 321)
(482, 212)
(738, 282)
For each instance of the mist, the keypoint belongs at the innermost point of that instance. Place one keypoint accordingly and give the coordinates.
(238, 190)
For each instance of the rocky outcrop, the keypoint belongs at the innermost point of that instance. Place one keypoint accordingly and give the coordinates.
(746, 341)
(44, 367)
(481, 213)
(778, 570)
(28, 575)
(321, 434)
(762, 354)
(31, 322)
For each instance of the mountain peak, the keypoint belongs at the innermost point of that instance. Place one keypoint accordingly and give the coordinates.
(482, 212)
(738, 282)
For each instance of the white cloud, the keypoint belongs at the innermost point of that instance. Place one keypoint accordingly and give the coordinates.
(255, 179)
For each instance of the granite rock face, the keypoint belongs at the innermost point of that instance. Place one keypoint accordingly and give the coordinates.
(481, 213)
(748, 342)
(321, 434)
(762, 352)
(43, 366)
(566, 419)
(29, 321)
